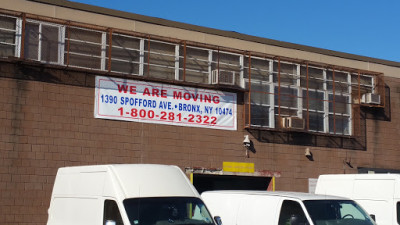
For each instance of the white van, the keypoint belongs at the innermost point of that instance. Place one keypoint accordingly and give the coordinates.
(378, 194)
(125, 194)
(283, 208)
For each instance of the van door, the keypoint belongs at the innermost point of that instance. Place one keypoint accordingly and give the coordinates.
(292, 213)
(257, 209)
(376, 197)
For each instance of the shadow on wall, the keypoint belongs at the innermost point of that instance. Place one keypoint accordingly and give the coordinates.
(309, 139)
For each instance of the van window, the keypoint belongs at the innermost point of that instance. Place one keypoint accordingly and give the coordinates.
(292, 213)
(167, 211)
(336, 211)
(111, 212)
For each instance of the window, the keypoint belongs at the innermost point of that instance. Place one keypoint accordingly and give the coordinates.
(315, 77)
(278, 93)
(226, 68)
(9, 36)
(111, 212)
(259, 115)
(337, 212)
(262, 97)
(313, 93)
(167, 210)
(85, 48)
(285, 73)
(361, 84)
(313, 100)
(126, 56)
(43, 42)
(286, 98)
(287, 95)
(291, 211)
(159, 59)
(320, 97)
(260, 69)
(196, 64)
(339, 92)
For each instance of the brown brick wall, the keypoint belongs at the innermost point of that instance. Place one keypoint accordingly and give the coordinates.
(46, 122)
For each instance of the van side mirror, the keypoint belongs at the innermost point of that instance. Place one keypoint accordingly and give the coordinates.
(218, 220)
(110, 222)
(373, 217)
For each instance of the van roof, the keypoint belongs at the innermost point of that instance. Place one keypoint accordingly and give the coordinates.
(295, 195)
(365, 176)
(134, 180)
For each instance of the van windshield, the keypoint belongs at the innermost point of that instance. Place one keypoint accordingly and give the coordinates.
(167, 211)
(338, 212)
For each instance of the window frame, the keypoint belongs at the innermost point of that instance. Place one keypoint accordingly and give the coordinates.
(348, 104)
(147, 54)
(268, 82)
(139, 51)
(215, 64)
(102, 44)
(17, 34)
(60, 40)
(181, 67)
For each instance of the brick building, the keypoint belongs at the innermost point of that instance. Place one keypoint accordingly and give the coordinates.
(86, 85)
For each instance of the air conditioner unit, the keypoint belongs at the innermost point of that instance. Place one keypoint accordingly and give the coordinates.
(223, 77)
(292, 122)
(370, 98)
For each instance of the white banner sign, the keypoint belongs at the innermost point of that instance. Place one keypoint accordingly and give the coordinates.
(119, 99)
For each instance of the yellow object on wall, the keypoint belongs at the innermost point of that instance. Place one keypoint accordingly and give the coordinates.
(238, 167)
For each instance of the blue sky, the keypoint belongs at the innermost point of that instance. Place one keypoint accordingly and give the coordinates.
(362, 27)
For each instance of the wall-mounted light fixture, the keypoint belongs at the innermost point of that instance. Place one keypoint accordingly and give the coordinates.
(308, 154)
(246, 141)
(247, 144)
